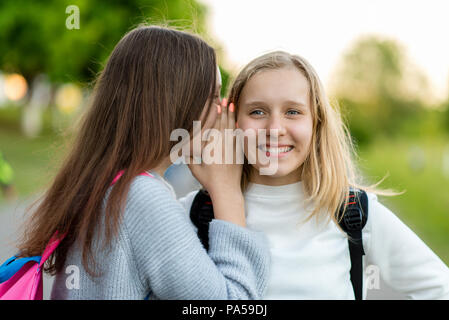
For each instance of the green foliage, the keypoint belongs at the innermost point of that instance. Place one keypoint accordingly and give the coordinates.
(10, 120)
(225, 76)
(378, 89)
(416, 167)
(6, 172)
(34, 38)
(33, 161)
(446, 116)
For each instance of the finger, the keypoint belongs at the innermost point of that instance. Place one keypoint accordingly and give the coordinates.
(224, 118)
(212, 117)
(209, 122)
(224, 102)
(231, 116)
(213, 123)
(218, 118)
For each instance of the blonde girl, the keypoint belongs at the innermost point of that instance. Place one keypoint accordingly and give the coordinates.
(297, 206)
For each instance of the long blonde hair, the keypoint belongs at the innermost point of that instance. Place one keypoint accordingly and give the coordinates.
(329, 169)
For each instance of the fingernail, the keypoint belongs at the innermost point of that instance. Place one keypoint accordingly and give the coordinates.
(224, 102)
(231, 107)
(218, 109)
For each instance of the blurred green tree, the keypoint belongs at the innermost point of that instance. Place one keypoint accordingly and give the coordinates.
(378, 88)
(37, 37)
(446, 116)
(34, 38)
(445, 108)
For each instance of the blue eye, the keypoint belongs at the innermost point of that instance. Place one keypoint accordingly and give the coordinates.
(256, 112)
(295, 112)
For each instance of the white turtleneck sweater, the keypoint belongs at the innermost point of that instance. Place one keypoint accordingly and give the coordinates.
(311, 260)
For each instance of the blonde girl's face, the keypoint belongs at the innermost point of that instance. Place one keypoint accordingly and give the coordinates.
(279, 99)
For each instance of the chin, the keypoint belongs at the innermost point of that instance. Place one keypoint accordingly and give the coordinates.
(281, 172)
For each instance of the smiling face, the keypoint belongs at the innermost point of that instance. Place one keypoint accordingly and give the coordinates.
(279, 99)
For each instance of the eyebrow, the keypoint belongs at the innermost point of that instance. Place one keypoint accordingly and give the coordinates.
(285, 103)
(255, 103)
(294, 103)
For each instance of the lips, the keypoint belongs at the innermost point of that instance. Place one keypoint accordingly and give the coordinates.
(278, 150)
(275, 150)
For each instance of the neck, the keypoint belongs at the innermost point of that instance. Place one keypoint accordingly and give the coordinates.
(162, 167)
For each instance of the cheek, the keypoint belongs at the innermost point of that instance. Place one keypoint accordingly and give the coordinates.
(248, 123)
(245, 123)
(302, 133)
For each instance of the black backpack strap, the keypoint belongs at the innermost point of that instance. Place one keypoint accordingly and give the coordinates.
(354, 219)
(201, 214)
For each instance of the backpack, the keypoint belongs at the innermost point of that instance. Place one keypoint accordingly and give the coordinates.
(21, 278)
(354, 219)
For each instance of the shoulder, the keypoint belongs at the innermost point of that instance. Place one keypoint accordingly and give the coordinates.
(148, 196)
(373, 203)
(375, 208)
(151, 208)
(148, 189)
(376, 213)
(383, 224)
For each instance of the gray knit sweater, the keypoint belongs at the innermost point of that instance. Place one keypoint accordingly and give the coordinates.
(158, 253)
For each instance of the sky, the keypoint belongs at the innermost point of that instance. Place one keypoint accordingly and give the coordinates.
(321, 30)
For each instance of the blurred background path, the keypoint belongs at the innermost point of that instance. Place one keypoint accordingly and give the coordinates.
(11, 217)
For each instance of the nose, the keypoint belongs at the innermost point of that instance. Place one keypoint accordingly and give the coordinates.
(275, 122)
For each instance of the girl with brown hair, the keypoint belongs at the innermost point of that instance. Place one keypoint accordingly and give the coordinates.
(132, 239)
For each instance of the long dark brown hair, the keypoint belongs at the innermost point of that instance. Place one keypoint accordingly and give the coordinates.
(155, 80)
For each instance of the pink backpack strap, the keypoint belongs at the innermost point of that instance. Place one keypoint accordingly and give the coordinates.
(120, 173)
(51, 246)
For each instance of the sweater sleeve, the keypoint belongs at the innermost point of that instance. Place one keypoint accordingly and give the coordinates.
(173, 264)
(405, 262)
(187, 200)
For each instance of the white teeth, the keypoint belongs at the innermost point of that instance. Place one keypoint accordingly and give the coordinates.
(275, 150)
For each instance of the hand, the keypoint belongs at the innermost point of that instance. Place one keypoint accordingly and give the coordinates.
(220, 179)
(215, 174)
